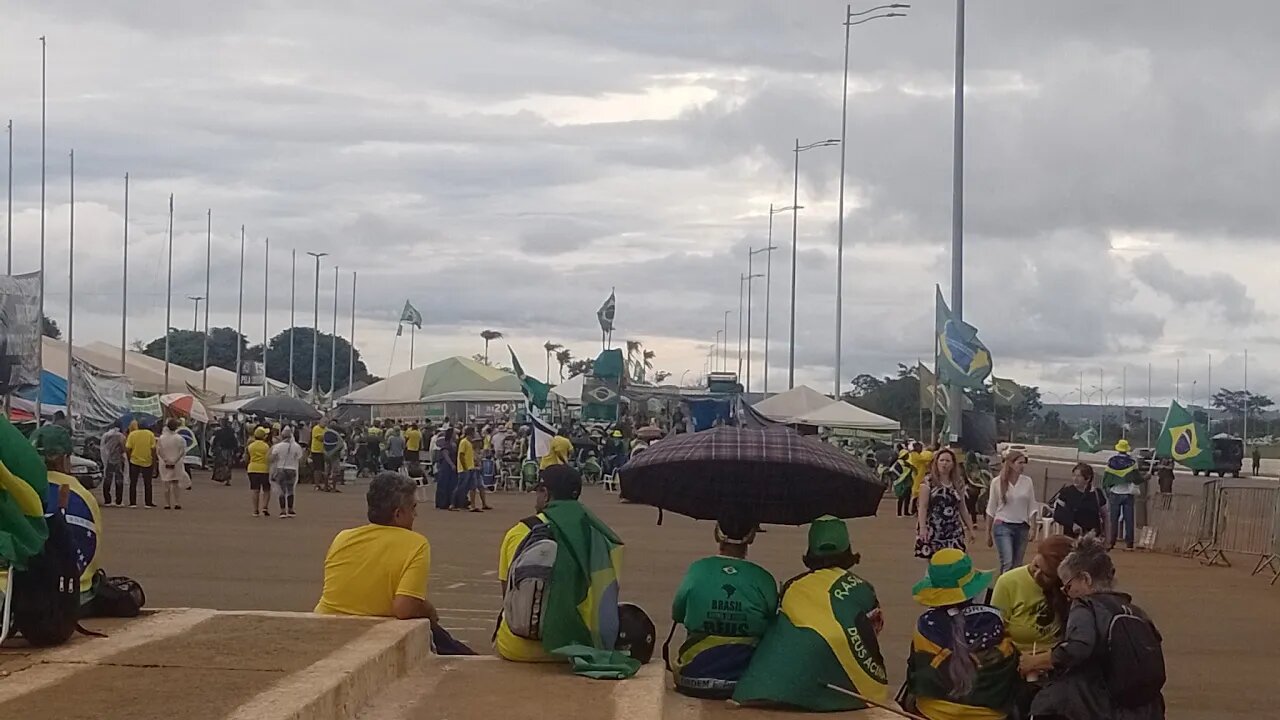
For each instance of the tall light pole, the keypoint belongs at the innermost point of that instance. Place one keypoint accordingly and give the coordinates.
(768, 290)
(168, 298)
(266, 304)
(315, 325)
(71, 283)
(742, 285)
(293, 296)
(351, 343)
(751, 254)
(795, 225)
(724, 351)
(208, 261)
(955, 415)
(44, 52)
(849, 22)
(333, 346)
(195, 316)
(240, 315)
(124, 282)
(715, 349)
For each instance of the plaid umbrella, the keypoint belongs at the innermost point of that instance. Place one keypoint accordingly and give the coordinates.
(775, 475)
(280, 406)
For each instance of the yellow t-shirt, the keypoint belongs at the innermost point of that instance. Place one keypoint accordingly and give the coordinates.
(1020, 601)
(140, 445)
(366, 567)
(466, 456)
(558, 454)
(511, 647)
(317, 438)
(413, 439)
(919, 462)
(258, 451)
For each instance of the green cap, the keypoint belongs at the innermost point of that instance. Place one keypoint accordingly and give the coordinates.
(828, 535)
(52, 440)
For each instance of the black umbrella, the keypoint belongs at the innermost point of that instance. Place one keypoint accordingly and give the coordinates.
(280, 406)
(775, 476)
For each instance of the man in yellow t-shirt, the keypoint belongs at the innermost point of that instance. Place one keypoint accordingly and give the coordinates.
(317, 453)
(413, 450)
(259, 471)
(380, 569)
(559, 452)
(919, 460)
(140, 445)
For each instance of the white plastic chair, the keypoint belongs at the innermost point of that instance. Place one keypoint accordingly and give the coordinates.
(610, 482)
(1042, 522)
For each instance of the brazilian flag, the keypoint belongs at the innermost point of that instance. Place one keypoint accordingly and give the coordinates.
(1184, 440)
(822, 635)
(963, 360)
(23, 482)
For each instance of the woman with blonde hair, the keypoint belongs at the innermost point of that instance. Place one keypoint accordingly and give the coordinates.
(942, 519)
(1010, 505)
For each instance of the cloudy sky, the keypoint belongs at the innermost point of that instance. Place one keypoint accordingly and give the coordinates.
(504, 164)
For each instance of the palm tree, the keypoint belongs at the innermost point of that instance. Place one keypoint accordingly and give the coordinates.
(564, 357)
(550, 347)
(661, 375)
(634, 348)
(646, 362)
(579, 367)
(488, 335)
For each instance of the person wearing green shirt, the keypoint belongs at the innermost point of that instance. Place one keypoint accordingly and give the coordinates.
(725, 603)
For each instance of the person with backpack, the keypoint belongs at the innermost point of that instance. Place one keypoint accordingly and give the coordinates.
(559, 575)
(1110, 663)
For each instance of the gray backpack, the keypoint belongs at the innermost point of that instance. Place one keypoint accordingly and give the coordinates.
(528, 579)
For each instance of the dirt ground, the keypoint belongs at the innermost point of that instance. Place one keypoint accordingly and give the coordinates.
(1222, 636)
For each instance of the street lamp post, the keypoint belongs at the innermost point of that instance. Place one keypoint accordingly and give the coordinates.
(724, 349)
(742, 284)
(955, 415)
(751, 254)
(768, 291)
(715, 349)
(849, 22)
(315, 325)
(195, 318)
(795, 225)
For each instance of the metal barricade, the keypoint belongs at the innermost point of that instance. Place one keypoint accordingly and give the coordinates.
(1173, 523)
(1244, 523)
(1206, 527)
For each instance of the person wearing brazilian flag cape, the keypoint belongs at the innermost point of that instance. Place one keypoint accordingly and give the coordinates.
(825, 633)
(1122, 481)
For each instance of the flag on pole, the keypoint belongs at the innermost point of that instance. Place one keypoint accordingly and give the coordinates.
(1088, 440)
(962, 358)
(23, 486)
(927, 383)
(411, 315)
(535, 391)
(1184, 440)
(542, 434)
(1007, 392)
(606, 313)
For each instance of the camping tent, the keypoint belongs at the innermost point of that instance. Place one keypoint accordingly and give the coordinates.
(455, 379)
(570, 391)
(787, 406)
(845, 416)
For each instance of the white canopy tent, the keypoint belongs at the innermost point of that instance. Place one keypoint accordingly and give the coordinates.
(788, 406)
(570, 391)
(455, 379)
(845, 416)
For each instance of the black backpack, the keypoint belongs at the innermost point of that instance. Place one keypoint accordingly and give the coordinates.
(1134, 663)
(115, 597)
(46, 596)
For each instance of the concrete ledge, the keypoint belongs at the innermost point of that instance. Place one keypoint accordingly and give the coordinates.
(338, 686)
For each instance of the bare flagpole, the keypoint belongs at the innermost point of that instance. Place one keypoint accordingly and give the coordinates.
(293, 296)
(168, 298)
(124, 284)
(208, 299)
(1247, 403)
(71, 282)
(333, 342)
(351, 345)
(1148, 412)
(266, 276)
(240, 314)
(44, 52)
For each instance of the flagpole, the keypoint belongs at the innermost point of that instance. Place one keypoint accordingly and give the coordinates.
(1148, 412)
(208, 298)
(351, 344)
(44, 52)
(293, 296)
(413, 330)
(266, 299)
(1245, 432)
(1177, 381)
(124, 282)
(71, 281)
(1124, 401)
(168, 298)
(1102, 403)
(333, 341)
(955, 414)
(240, 315)
(1208, 398)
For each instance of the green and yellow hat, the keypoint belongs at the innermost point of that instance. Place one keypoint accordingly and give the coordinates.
(950, 580)
(828, 535)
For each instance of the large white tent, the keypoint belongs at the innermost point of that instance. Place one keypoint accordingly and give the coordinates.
(845, 416)
(570, 391)
(455, 379)
(788, 406)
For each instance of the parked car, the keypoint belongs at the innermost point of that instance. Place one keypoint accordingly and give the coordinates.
(1228, 456)
(88, 472)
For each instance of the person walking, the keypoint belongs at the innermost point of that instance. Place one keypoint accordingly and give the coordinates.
(226, 448)
(413, 450)
(317, 453)
(141, 446)
(171, 449)
(1010, 506)
(1120, 481)
(467, 479)
(942, 521)
(1257, 461)
(283, 461)
(395, 450)
(1080, 508)
(259, 468)
(446, 470)
(111, 451)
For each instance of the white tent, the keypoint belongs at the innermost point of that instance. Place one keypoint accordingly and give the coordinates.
(457, 379)
(570, 391)
(845, 416)
(147, 373)
(786, 407)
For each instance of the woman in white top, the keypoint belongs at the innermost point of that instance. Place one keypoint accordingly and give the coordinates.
(284, 459)
(1011, 502)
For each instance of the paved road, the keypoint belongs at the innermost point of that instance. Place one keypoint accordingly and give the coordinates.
(1223, 640)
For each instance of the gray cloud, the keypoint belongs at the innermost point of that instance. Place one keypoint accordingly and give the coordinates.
(1227, 295)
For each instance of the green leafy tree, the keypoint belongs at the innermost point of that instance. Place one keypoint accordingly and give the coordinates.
(186, 348)
(551, 349)
(50, 328)
(564, 357)
(581, 366)
(278, 360)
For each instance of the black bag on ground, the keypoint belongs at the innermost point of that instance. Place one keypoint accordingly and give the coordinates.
(46, 596)
(1134, 668)
(115, 597)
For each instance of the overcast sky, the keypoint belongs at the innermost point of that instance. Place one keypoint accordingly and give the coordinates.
(504, 164)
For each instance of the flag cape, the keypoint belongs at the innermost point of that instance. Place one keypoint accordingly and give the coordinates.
(996, 657)
(962, 358)
(582, 599)
(1184, 440)
(535, 391)
(821, 636)
(410, 315)
(23, 485)
(606, 313)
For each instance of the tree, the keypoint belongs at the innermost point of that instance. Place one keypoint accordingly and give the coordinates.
(50, 328)
(581, 366)
(646, 363)
(634, 350)
(489, 335)
(564, 357)
(278, 359)
(186, 348)
(660, 376)
(551, 349)
(1234, 403)
(864, 385)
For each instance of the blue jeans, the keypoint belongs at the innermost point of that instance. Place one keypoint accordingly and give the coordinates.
(1120, 505)
(1011, 544)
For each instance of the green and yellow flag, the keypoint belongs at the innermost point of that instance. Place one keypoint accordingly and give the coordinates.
(23, 485)
(1184, 440)
(962, 358)
(582, 602)
(535, 391)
